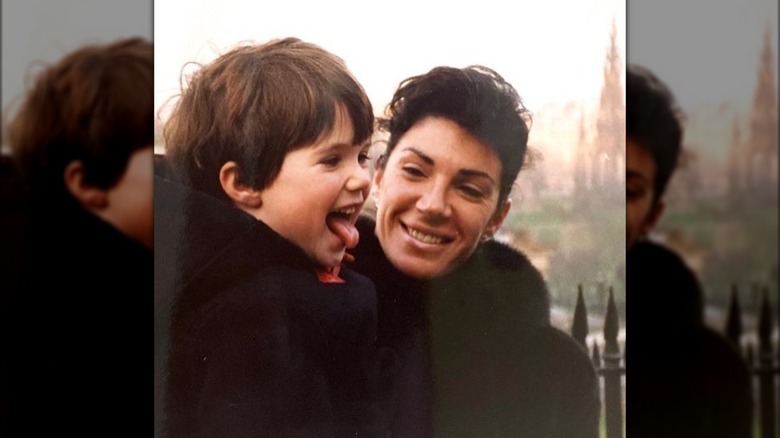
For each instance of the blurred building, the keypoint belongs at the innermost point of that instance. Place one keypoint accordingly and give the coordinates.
(752, 161)
(600, 173)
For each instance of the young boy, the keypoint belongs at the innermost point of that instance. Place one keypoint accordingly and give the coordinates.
(266, 163)
(82, 138)
(686, 379)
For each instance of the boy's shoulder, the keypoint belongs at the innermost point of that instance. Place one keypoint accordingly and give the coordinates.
(303, 287)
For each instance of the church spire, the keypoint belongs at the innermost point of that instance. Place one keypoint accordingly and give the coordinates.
(762, 141)
(735, 158)
(610, 139)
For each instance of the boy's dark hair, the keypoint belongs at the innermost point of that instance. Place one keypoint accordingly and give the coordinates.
(476, 98)
(654, 121)
(254, 105)
(96, 105)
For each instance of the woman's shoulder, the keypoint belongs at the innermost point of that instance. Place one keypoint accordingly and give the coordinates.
(503, 256)
(566, 363)
(561, 346)
(505, 273)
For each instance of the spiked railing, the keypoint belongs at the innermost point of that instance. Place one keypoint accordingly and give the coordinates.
(611, 370)
(764, 364)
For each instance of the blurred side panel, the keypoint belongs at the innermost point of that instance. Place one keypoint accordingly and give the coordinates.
(720, 60)
(35, 34)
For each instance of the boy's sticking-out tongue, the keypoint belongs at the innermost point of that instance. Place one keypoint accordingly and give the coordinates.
(343, 229)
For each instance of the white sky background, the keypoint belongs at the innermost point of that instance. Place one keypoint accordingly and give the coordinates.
(36, 32)
(551, 51)
(707, 51)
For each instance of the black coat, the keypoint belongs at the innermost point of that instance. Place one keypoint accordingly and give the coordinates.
(684, 379)
(476, 353)
(80, 326)
(255, 345)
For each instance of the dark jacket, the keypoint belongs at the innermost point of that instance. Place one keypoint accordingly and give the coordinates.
(255, 345)
(684, 379)
(79, 358)
(476, 353)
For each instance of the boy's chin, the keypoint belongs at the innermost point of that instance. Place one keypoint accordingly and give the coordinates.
(329, 261)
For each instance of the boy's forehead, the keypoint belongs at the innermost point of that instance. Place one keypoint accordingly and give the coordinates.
(639, 161)
(340, 135)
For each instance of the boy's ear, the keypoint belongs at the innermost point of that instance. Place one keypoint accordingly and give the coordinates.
(243, 196)
(88, 195)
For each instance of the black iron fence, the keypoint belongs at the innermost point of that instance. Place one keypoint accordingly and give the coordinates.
(610, 364)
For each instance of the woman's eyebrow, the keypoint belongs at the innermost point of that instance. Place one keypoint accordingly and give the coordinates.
(428, 160)
(473, 173)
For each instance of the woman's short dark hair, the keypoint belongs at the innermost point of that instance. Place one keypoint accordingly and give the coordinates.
(654, 121)
(476, 98)
(96, 105)
(254, 105)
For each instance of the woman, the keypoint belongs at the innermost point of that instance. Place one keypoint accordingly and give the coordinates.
(467, 317)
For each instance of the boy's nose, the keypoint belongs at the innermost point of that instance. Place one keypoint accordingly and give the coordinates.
(359, 180)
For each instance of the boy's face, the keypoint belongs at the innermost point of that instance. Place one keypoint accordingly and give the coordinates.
(642, 212)
(130, 205)
(317, 196)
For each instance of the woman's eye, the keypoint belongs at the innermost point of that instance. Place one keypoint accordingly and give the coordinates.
(633, 193)
(363, 158)
(472, 192)
(412, 171)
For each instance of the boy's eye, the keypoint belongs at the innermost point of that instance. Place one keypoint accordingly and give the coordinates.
(363, 158)
(331, 160)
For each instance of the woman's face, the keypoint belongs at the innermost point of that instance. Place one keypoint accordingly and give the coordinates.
(436, 197)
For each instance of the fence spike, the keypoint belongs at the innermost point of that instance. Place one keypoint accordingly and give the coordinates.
(612, 371)
(579, 326)
(611, 327)
(734, 318)
(596, 355)
(624, 352)
(765, 324)
(766, 385)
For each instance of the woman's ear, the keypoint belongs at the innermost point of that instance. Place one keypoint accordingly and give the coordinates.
(90, 196)
(497, 220)
(652, 218)
(243, 196)
(376, 186)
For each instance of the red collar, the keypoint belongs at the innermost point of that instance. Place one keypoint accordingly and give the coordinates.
(331, 275)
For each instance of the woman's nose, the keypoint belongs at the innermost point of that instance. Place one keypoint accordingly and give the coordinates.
(434, 202)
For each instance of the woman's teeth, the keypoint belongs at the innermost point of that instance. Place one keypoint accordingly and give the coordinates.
(425, 238)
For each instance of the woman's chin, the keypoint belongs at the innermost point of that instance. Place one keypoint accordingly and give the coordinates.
(418, 268)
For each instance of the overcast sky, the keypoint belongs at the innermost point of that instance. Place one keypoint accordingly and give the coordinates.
(43, 31)
(706, 50)
(551, 51)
